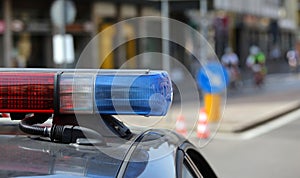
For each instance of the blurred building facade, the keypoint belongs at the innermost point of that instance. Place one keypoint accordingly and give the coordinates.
(26, 28)
(269, 24)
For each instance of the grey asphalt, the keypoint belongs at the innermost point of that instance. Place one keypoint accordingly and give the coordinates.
(274, 154)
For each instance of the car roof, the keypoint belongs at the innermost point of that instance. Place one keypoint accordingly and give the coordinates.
(24, 155)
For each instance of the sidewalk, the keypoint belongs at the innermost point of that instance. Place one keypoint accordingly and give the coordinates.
(254, 106)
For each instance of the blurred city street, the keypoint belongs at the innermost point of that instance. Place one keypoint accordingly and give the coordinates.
(249, 106)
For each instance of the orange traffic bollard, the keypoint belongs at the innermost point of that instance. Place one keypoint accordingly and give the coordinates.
(202, 128)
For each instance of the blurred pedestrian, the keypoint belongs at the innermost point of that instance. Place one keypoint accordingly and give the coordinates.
(231, 62)
(256, 62)
(229, 58)
(294, 58)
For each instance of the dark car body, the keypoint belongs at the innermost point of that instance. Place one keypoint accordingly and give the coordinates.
(151, 153)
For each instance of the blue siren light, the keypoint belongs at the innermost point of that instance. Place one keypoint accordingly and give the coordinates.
(142, 94)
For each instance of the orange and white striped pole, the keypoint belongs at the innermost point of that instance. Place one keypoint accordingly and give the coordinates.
(202, 127)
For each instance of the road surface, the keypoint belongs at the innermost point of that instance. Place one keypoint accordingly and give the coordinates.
(274, 154)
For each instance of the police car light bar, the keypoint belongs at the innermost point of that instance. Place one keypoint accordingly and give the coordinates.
(85, 91)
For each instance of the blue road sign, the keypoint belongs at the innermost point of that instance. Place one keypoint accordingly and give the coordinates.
(213, 78)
